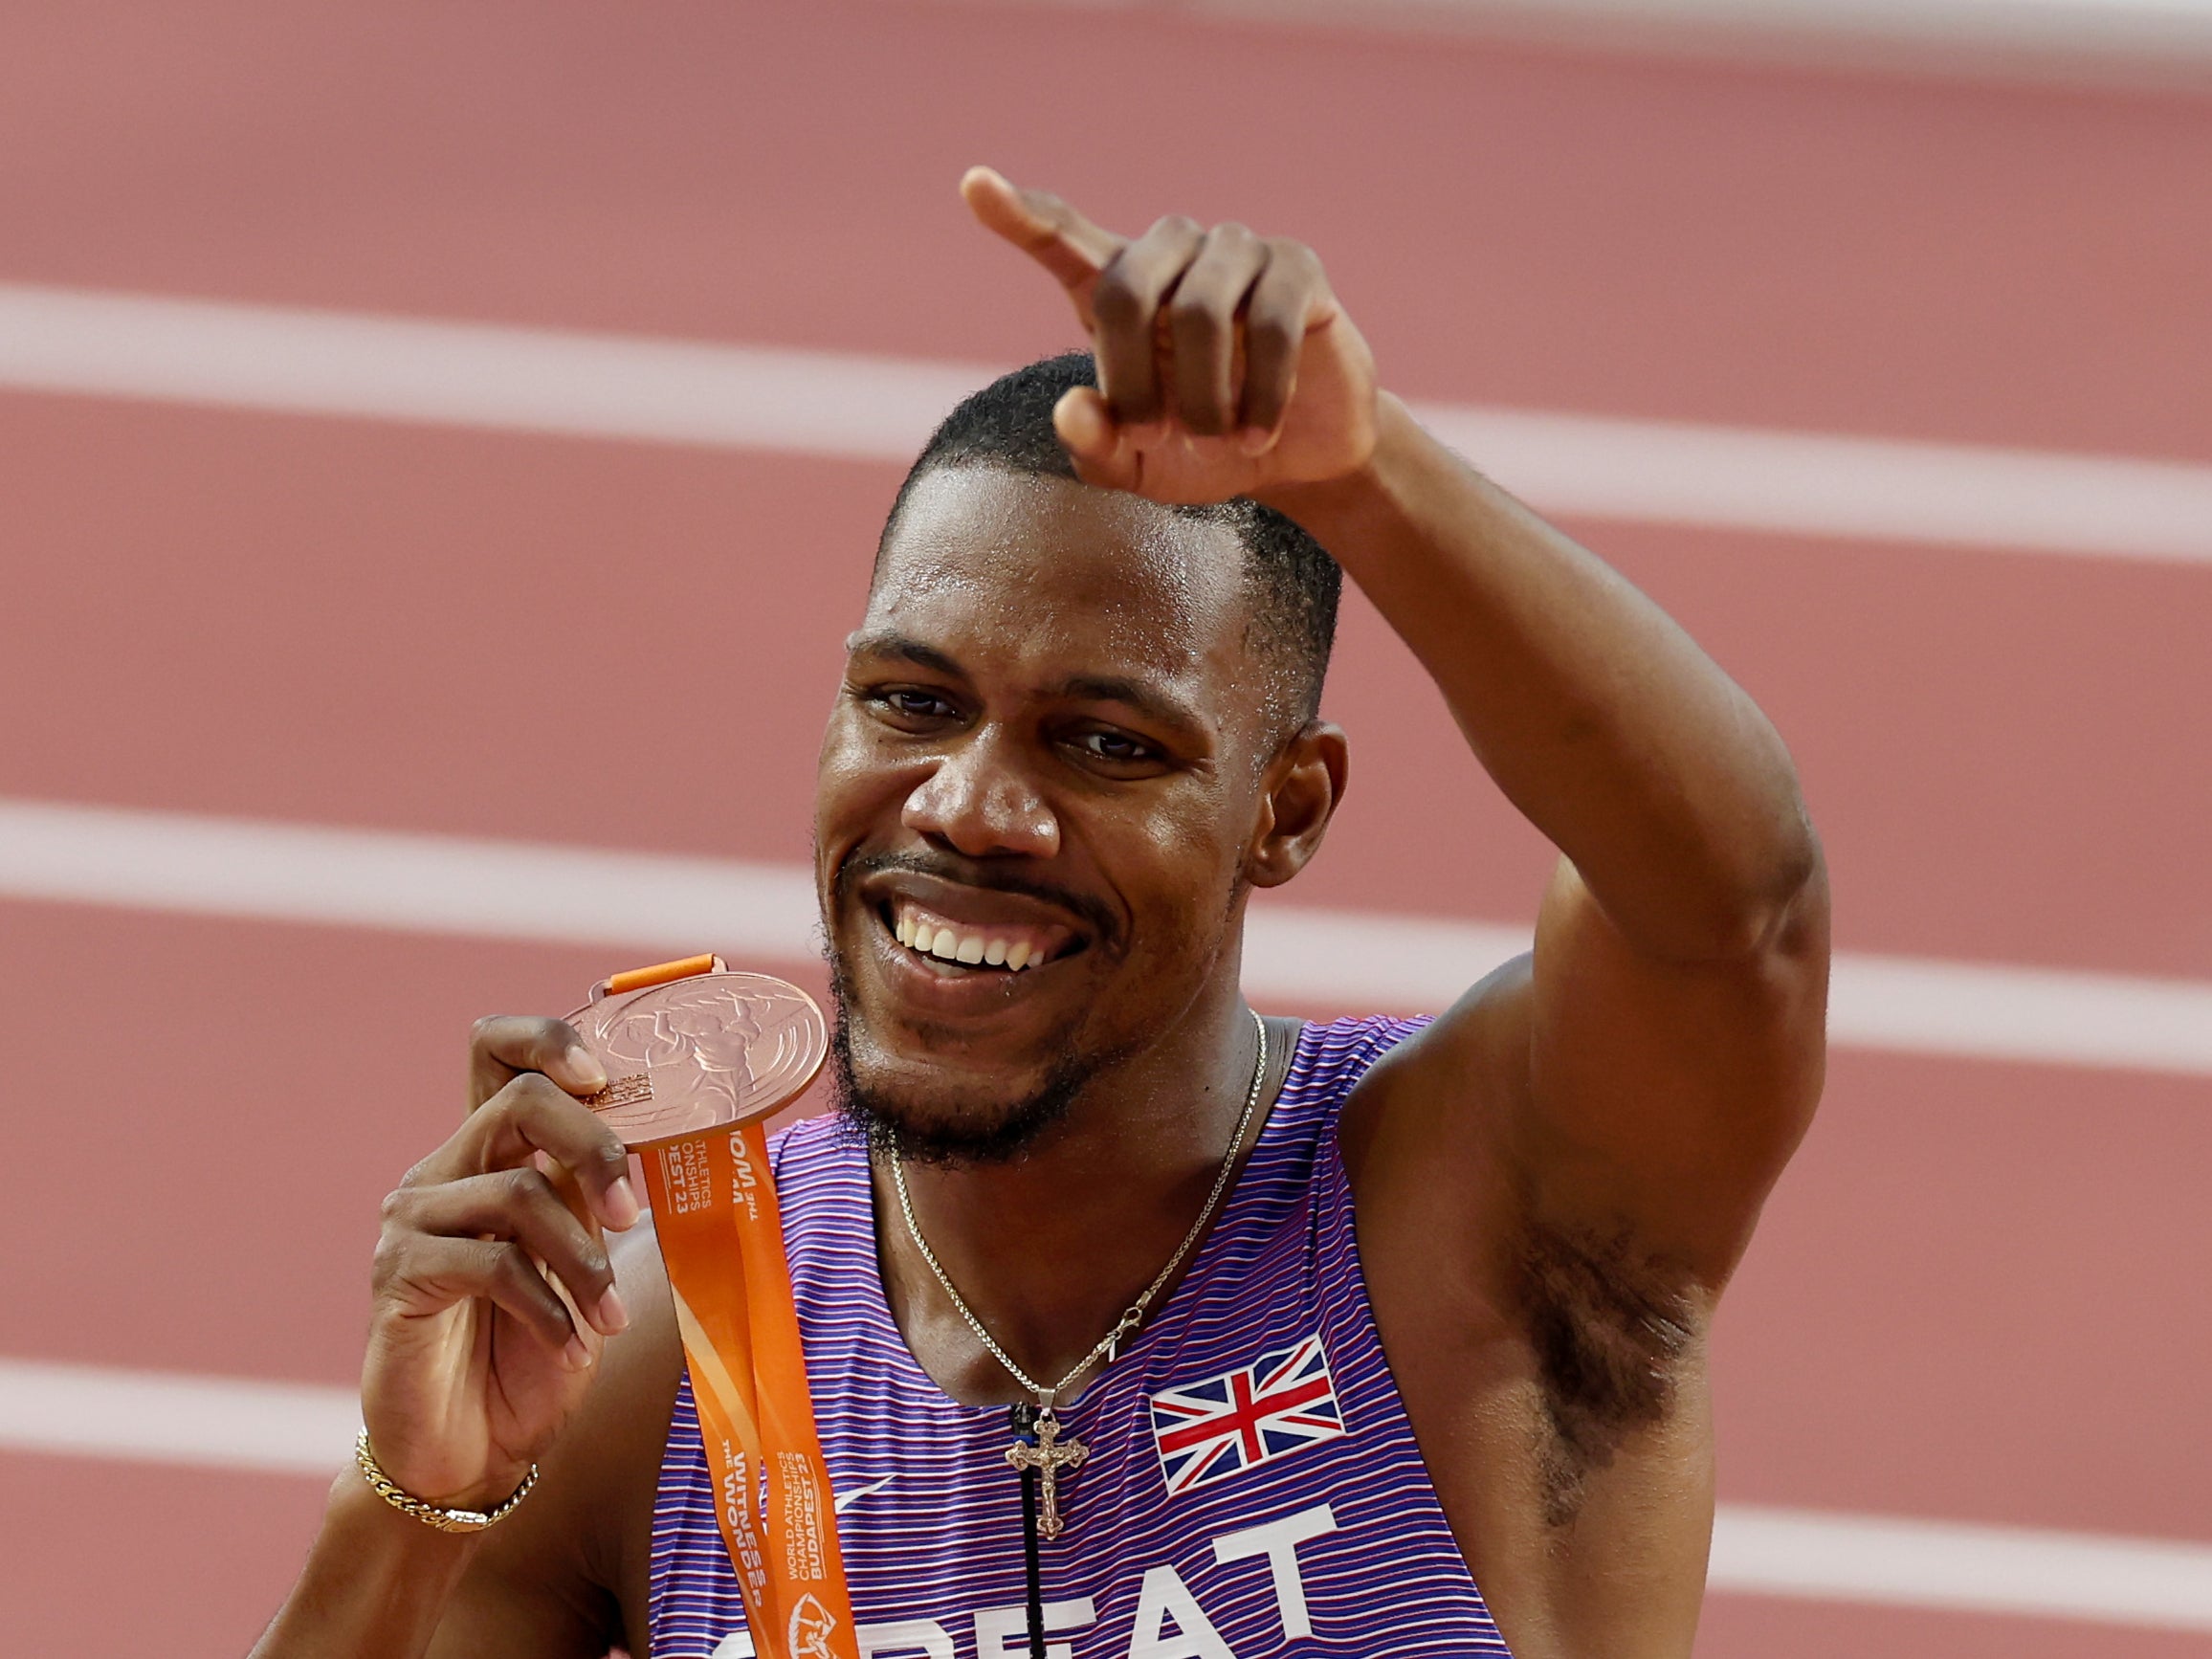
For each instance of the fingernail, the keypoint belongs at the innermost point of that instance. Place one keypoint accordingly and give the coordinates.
(611, 1316)
(578, 1356)
(589, 1070)
(621, 1202)
(1254, 440)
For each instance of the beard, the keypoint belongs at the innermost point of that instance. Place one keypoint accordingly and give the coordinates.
(891, 1127)
(898, 1126)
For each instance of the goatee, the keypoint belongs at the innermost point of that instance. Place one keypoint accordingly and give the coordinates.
(887, 1128)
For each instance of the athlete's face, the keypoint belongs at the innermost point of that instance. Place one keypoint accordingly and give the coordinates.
(1039, 796)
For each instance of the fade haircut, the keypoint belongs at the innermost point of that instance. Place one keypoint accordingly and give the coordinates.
(1292, 582)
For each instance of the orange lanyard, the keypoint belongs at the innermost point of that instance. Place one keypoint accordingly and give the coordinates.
(721, 1236)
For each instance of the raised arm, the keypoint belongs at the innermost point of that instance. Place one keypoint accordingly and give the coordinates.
(1658, 1059)
(1641, 1083)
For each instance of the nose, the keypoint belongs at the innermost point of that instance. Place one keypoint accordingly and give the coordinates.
(979, 804)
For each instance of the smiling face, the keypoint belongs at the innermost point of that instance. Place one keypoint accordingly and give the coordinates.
(1047, 782)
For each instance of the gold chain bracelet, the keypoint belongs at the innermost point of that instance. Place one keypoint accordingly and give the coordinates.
(445, 1520)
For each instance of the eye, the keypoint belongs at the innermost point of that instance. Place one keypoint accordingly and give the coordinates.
(1115, 748)
(917, 702)
(909, 706)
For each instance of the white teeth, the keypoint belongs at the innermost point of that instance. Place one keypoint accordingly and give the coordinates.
(949, 944)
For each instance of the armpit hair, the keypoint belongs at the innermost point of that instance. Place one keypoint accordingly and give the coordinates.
(1612, 1330)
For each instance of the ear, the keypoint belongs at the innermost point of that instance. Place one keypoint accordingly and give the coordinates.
(1299, 797)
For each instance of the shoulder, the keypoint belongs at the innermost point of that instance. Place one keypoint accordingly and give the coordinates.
(811, 1148)
(1419, 1087)
(1335, 1066)
(1333, 1057)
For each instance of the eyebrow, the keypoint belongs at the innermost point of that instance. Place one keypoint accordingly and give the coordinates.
(901, 648)
(1167, 711)
(1098, 688)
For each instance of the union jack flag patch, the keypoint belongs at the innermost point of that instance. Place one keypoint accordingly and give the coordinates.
(1209, 1431)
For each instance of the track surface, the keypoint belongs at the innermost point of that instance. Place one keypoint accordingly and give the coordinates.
(1978, 1295)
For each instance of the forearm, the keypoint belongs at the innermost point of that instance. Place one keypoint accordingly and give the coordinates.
(1598, 716)
(376, 1584)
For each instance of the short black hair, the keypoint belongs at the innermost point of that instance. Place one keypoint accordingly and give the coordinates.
(1294, 583)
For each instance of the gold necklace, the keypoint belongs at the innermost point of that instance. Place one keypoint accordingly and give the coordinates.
(1050, 1454)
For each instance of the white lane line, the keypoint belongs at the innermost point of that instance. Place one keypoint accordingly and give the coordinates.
(473, 374)
(2160, 1583)
(1980, 1010)
(1869, 489)
(162, 1416)
(411, 883)
(880, 408)
(1999, 31)
(300, 1428)
(765, 912)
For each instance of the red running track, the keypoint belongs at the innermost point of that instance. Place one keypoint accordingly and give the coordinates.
(1977, 1297)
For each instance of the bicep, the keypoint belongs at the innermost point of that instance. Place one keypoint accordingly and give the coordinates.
(1663, 1097)
(1557, 1178)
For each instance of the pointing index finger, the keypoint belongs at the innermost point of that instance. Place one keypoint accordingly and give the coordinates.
(1059, 238)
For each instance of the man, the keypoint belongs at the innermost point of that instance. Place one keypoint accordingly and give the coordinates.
(1078, 725)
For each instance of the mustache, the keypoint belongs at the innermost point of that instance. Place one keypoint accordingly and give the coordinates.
(1104, 925)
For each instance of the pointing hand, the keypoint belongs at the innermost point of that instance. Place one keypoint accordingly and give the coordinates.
(1226, 365)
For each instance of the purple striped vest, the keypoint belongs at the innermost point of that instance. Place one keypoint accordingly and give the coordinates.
(1253, 1487)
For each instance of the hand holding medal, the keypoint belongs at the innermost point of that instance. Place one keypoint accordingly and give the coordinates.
(495, 1294)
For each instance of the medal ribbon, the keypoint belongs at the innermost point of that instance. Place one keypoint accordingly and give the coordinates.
(721, 1235)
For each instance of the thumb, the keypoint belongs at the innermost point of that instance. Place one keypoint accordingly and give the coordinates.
(1094, 440)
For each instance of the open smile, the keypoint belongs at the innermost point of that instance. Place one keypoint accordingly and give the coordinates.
(949, 931)
(987, 944)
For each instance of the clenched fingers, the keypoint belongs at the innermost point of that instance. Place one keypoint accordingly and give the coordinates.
(1288, 298)
(1203, 326)
(514, 1205)
(430, 1274)
(1127, 303)
(532, 1114)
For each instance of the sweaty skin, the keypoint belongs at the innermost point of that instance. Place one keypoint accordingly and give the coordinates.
(1055, 724)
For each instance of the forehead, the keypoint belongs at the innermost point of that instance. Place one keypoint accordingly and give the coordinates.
(1039, 568)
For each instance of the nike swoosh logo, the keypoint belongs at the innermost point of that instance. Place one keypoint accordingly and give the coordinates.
(845, 1501)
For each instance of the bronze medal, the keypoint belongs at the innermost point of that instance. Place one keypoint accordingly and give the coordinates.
(695, 1057)
(705, 1051)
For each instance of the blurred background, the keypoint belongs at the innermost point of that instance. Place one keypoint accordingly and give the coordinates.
(441, 449)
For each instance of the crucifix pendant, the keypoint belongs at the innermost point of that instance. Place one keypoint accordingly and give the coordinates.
(1049, 1456)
